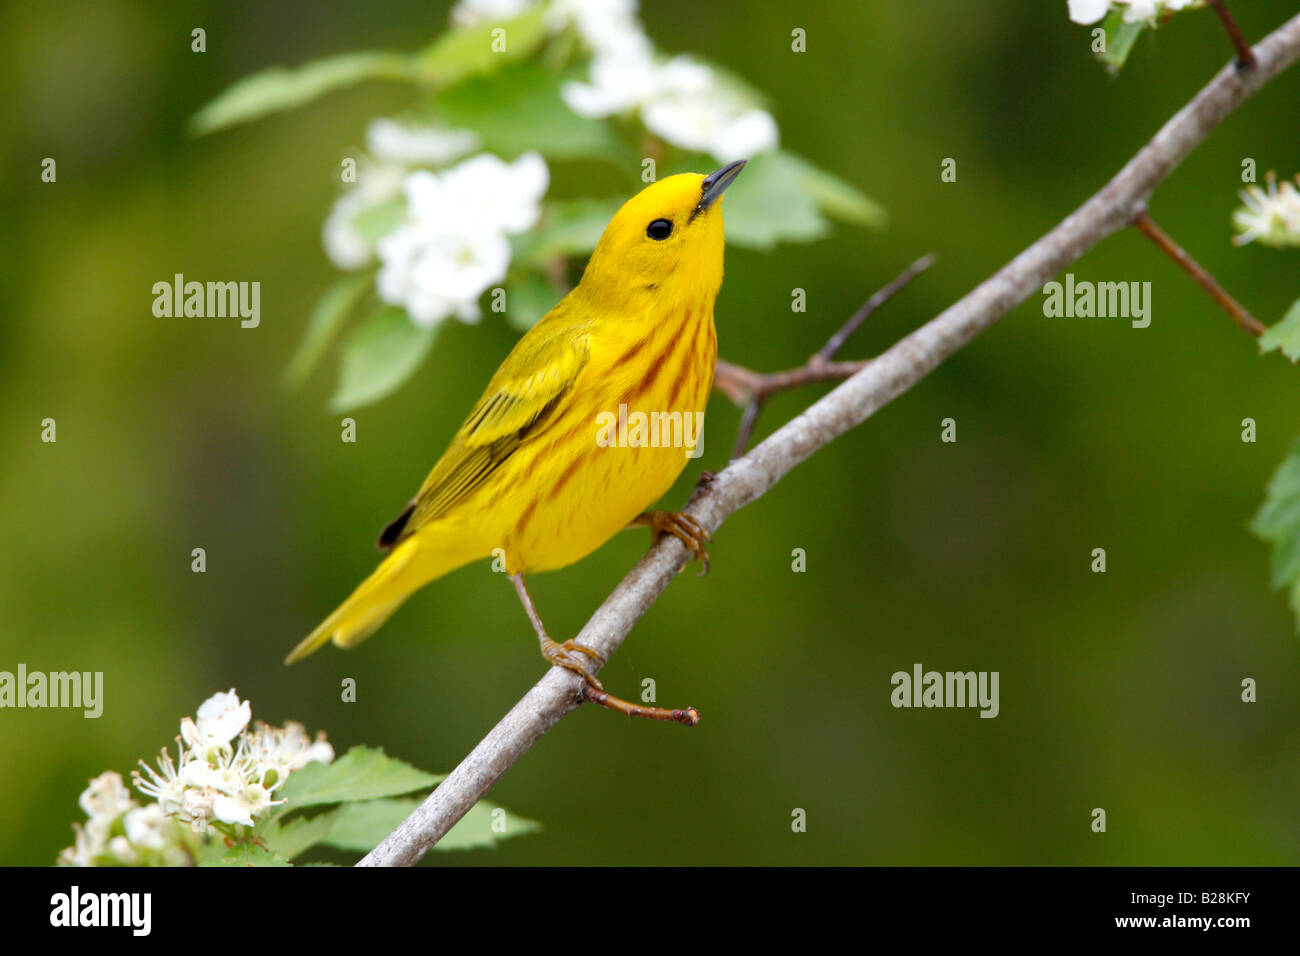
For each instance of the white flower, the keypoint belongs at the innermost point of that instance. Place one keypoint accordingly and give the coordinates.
(197, 804)
(319, 752)
(220, 718)
(230, 810)
(164, 784)
(106, 798)
(500, 195)
(467, 13)
(273, 753)
(710, 126)
(1270, 215)
(680, 101)
(398, 142)
(1135, 11)
(84, 849)
(616, 85)
(376, 184)
(619, 84)
(435, 273)
(145, 826)
(453, 246)
(608, 27)
(1088, 11)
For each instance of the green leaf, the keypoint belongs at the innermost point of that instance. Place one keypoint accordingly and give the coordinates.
(486, 825)
(360, 826)
(363, 773)
(1120, 37)
(299, 833)
(377, 221)
(379, 356)
(327, 318)
(1285, 335)
(769, 203)
(1278, 522)
(469, 51)
(570, 228)
(520, 109)
(249, 854)
(836, 198)
(528, 298)
(281, 88)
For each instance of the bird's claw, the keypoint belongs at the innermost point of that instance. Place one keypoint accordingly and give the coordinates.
(685, 529)
(565, 655)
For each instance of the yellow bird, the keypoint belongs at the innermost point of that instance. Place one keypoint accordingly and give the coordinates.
(554, 459)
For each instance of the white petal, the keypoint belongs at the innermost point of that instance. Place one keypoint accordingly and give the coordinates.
(229, 810)
(1088, 11)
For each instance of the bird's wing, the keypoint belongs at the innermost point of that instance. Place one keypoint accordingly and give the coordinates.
(518, 404)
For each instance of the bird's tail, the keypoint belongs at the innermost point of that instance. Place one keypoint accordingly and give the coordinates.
(374, 601)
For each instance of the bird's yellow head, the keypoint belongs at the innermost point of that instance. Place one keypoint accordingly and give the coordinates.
(667, 240)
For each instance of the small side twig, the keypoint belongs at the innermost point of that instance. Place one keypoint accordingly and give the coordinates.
(753, 389)
(688, 715)
(1147, 226)
(1245, 55)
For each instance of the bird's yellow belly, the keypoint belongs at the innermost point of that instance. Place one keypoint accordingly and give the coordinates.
(604, 470)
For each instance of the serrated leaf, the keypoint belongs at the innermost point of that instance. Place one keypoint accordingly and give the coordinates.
(528, 298)
(769, 203)
(837, 198)
(249, 854)
(1278, 522)
(327, 319)
(361, 826)
(363, 773)
(520, 109)
(281, 88)
(378, 356)
(470, 51)
(1120, 37)
(292, 837)
(1285, 335)
(486, 825)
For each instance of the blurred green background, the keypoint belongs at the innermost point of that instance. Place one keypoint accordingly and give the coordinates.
(1119, 691)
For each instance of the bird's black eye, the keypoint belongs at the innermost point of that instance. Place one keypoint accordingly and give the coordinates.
(660, 229)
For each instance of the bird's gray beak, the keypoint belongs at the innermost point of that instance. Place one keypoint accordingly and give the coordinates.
(716, 183)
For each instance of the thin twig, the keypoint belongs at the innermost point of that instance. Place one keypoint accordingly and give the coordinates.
(1147, 226)
(895, 286)
(850, 403)
(1245, 55)
(687, 715)
(753, 389)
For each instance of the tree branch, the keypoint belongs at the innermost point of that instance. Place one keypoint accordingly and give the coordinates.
(853, 401)
(1147, 226)
(752, 389)
(1245, 55)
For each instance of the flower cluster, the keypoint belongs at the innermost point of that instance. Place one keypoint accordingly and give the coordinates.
(212, 779)
(120, 832)
(1271, 215)
(395, 149)
(683, 102)
(440, 233)
(453, 245)
(1135, 11)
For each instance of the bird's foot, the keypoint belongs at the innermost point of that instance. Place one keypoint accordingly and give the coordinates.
(682, 527)
(566, 655)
